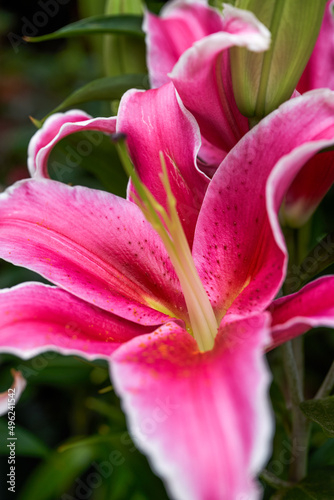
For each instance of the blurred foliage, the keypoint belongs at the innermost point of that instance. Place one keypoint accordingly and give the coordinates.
(72, 438)
(322, 412)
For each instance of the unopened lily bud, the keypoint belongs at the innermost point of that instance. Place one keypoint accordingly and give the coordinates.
(124, 54)
(263, 81)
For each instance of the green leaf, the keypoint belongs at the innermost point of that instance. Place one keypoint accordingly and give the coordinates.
(26, 443)
(323, 456)
(52, 478)
(114, 414)
(55, 370)
(318, 485)
(108, 88)
(321, 411)
(120, 25)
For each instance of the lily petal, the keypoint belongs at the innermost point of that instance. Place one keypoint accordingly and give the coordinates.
(241, 257)
(176, 398)
(210, 157)
(55, 128)
(16, 390)
(295, 314)
(90, 250)
(302, 175)
(203, 80)
(319, 72)
(35, 318)
(179, 25)
(176, 136)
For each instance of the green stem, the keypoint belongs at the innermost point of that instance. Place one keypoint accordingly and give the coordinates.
(298, 351)
(298, 343)
(292, 239)
(293, 377)
(327, 385)
(294, 363)
(274, 481)
(296, 246)
(300, 423)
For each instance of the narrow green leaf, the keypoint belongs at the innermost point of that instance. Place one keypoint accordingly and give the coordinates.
(84, 442)
(53, 478)
(321, 411)
(36, 122)
(318, 485)
(114, 414)
(108, 88)
(121, 25)
(323, 456)
(26, 443)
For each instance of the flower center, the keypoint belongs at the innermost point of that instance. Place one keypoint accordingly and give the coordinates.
(203, 323)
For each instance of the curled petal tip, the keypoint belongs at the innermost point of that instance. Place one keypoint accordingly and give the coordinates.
(14, 391)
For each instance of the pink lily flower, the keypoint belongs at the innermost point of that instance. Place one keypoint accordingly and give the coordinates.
(182, 318)
(188, 45)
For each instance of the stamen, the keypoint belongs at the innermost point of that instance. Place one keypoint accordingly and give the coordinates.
(203, 323)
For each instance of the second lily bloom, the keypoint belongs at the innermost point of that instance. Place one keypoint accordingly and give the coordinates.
(189, 44)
